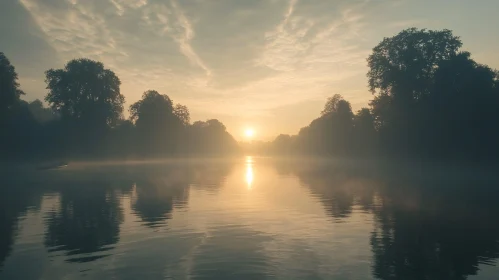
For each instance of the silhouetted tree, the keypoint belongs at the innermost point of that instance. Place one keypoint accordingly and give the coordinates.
(182, 113)
(404, 64)
(401, 74)
(364, 133)
(331, 133)
(331, 104)
(152, 108)
(432, 100)
(19, 133)
(16, 122)
(462, 111)
(158, 127)
(9, 86)
(85, 91)
(87, 97)
(210, 138)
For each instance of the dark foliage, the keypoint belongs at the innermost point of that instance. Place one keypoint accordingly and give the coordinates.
(9, 86)
(431, 101)
(85, 120)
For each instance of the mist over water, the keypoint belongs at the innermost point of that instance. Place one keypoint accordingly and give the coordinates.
(249, 218)
(405, 186)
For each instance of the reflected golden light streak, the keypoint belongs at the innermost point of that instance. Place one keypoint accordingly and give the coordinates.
(249, 172)
(249, 160)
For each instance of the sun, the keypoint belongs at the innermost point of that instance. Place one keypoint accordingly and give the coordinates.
(249, 132)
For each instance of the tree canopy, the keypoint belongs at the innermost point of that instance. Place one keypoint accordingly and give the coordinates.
(153, 107)
(85, 91)
(10, 91)
(430, 100)
(406, 62)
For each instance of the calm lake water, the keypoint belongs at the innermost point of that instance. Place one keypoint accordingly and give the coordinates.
(249, 218)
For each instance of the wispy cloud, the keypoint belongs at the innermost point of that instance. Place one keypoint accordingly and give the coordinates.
(74, 30)
(243, 58)
(313, 52)
(122, 5)
(298, 57)
(186, 35)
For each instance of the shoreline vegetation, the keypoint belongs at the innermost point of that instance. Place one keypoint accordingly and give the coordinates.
(431, 103)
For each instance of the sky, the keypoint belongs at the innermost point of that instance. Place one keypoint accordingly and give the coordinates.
(263, 64)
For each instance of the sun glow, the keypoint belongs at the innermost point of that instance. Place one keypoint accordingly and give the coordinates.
(249, 132)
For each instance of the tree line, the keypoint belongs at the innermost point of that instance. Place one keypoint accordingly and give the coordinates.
(85, 119)
(431, 101)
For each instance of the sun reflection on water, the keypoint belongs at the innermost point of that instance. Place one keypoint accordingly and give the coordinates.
(249, 172)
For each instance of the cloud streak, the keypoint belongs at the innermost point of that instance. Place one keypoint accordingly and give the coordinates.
(247, 59)
(243, 62)
(186, 35)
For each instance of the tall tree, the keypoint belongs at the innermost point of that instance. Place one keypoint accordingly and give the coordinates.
(405, 64)
(182, 113)
(9, 85)
(87, 98)
(331, 105)
(152, 108)
(401, 70)
(338, 128)
(402, 73)
(17, 126)
(86, 92)
(158, 127)
(462, 110)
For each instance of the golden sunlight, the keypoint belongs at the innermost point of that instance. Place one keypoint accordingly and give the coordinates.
(249, 132)
(249, 172)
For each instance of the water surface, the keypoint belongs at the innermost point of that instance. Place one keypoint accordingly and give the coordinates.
(250, 218)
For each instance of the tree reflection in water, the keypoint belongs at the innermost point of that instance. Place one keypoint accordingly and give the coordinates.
(15, 200)
(429, 225)
(155, 199)
(86, 223)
